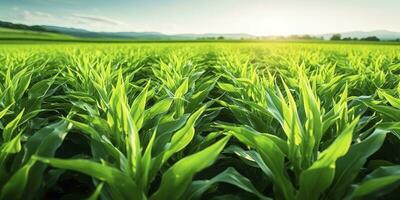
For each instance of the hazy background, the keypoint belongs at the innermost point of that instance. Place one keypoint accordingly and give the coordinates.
(259, 17)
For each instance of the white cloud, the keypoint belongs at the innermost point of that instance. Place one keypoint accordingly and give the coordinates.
(29, 17)
(98, 19)
(98, 23)
(89, 22)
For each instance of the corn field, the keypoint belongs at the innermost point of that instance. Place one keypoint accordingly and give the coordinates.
(177, 121)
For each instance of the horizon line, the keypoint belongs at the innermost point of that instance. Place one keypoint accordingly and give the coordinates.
(216, 33)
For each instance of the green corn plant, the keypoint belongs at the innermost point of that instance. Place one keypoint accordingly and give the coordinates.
(117, 137)
(312, 160)
(23, 98)
(153, 120)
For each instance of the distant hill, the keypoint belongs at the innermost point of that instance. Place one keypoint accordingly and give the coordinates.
(10, 25)
(9, 33)
(90, 34)
(43, 31)
(142, 35)
(381, 34)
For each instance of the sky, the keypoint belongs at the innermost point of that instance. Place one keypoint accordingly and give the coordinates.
(258, 17)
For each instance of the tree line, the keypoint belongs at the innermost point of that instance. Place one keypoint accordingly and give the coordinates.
(338, 37)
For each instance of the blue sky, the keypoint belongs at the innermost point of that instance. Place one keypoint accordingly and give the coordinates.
(260, 17)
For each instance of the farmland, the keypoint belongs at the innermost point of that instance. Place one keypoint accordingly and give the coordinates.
(165, 121)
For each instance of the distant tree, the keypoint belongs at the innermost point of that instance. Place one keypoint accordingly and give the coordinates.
(206, 38)
(350, 39)
(302, 37)
(220, 38)
(370, 38)
(336, 36)
(306, 37)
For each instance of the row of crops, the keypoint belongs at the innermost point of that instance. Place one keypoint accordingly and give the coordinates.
(199, 121)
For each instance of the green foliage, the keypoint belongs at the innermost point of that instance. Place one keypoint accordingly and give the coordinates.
(199, 121)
